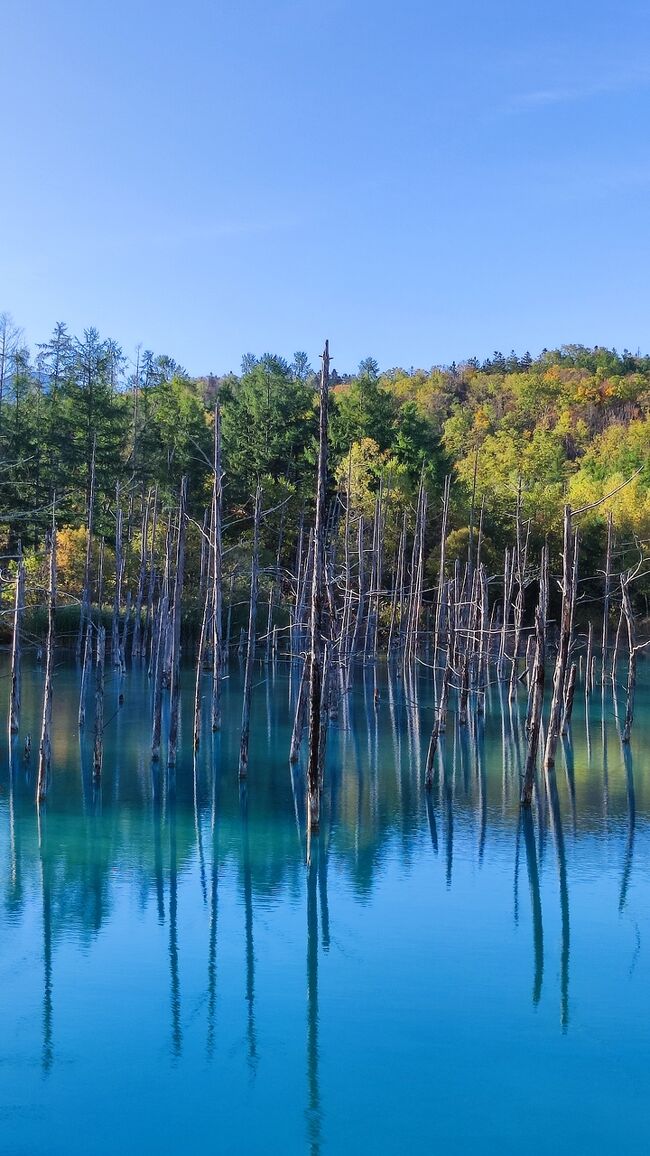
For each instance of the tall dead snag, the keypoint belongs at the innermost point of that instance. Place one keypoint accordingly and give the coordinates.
(564, 644)
(441, 576)
(607, 599)
(569, 694)
(45, 748)
(200, 660)
(116, 654)
(300, 714)
(589, 661)
(520, 565)
(217, 568)
(316, 714)
(175, 692)
(16, 641)
(142, 573)
(98, 749)
(536, 709)
(147, 630)
(158, 647)
(250, 648)
(632, 652)
(84, 612)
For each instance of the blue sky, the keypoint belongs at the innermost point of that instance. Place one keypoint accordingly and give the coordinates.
(417, 181)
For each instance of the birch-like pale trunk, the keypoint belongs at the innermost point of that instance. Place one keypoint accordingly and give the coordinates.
(16, 646)
(250, 647)
(45, 745)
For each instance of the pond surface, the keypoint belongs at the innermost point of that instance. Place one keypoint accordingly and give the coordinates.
(441, 976)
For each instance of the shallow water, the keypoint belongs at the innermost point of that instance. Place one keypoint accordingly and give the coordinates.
(441, 976)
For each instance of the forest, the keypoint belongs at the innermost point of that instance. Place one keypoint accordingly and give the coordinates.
(570, 425)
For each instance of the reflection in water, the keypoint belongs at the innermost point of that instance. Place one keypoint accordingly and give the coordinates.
(174, 981)
(528, 829)
(215, 863)
(248, 917)
(46, 892)
(314, 1107)
(558, 839)
(631, 815)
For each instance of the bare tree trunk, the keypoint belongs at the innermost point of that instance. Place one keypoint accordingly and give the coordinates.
(564, 644)
(568, 699)
(397, 585)
(217, 573)
(116, 656)
(250, 649)
(136, 644)
(45, 747)
(151, 585)
(316, 721)
(84, 609)
(199, 670)
(588, 661)
(362, 591)
(441, 576)
(606, 603)
(16, 646)
(98, 751)
(158, 647)
(536, 709)
(631, 669)
(300, 716)
(177, 612)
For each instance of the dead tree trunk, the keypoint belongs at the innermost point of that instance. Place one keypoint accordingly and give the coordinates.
(567, 709)
(564, 644)
(200, 659)
(84, 610)
(175, 692)
(45, 747)
(136, 644)
(631, 669)
(98, 749)
(250, 649)
(441, 576)
(16, 645)
(158, 648)
(116, 655)
(536, 708)
(607, 599)
(316, 719)
(217, 569)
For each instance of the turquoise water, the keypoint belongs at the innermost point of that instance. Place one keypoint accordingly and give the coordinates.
(440, 977)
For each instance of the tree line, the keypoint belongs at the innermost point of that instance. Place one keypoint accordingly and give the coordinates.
(568, 425)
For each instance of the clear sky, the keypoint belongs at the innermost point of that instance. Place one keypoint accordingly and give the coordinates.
(418, 181)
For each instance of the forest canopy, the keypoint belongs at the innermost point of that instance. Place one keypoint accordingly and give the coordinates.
(570, 424)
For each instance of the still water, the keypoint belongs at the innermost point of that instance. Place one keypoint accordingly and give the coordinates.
(441, 977)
